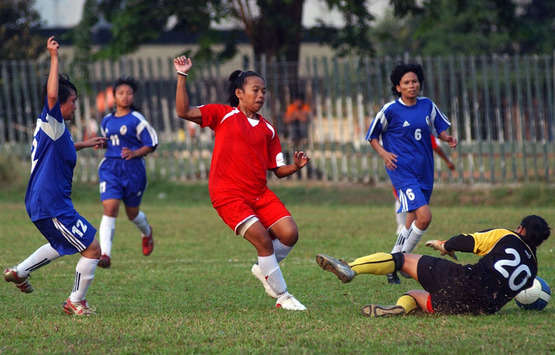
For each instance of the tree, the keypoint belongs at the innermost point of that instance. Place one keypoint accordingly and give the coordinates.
(274, 27)
(441, 27)
(17, 21)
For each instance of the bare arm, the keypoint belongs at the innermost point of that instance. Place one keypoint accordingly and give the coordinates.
(52, 83)
(445, 158)
(300, 159)
(129, 154)
(389, 158)
(96, 142)
(182, 108)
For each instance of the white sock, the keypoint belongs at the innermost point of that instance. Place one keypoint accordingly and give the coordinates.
(413, 238)
(84, 274)
(42, 256)
(280, 250)
(141, 223)
(106, 234)
(400, 217)
(270, 269)
(401, 239)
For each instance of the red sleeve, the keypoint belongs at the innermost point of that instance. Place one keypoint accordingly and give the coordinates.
(434, 142)
(273, 150)
(212, 114)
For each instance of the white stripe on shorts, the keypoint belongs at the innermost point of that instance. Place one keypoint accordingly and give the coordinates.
(403, 200)
(69, 237)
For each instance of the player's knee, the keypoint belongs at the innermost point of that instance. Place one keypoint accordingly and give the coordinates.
(93, 250)
(290, 237)
(423, 220)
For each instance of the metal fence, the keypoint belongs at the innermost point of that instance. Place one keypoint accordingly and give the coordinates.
(501, 109)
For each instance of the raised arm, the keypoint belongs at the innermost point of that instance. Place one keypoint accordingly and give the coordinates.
(52, 84)
(182, 65)
(300, 159)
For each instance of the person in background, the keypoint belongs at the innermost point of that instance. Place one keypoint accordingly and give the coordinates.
(122, 172)
(404, 127)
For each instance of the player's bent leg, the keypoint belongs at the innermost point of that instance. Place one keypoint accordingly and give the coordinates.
(260, 238)
(406, 304)
(20, 274)
(422, 299)
(286, 236)
(107, 229)
(336, 266)
(139, 219)
(378, 263)
(410, 265)
(76, 303)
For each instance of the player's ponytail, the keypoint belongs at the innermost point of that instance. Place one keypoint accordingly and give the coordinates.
(236, 81)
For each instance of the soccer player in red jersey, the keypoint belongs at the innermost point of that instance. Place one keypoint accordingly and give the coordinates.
(247, 146)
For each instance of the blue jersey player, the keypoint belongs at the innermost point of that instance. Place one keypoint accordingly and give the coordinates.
(404, 126)
(122, 173)
(48, 197)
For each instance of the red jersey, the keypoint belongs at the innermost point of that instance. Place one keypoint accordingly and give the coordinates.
(244, 150)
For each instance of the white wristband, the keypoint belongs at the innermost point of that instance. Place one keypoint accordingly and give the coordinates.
(182, 73)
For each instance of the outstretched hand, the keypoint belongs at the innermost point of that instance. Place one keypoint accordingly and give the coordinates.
(96, 142)
(439, 245)
(182, 64)
(300, 159)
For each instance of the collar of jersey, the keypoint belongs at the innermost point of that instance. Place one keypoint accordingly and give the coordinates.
(400, 100)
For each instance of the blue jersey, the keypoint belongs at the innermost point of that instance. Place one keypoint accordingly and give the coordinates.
(131, 131)
(405, 132)
(53, 159)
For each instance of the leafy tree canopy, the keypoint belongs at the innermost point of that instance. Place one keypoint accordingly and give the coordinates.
(17, 21)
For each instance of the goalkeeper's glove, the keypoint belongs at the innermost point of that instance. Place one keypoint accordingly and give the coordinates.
(439, 245)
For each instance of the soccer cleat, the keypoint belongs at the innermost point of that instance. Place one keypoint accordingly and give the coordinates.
(22, 283)
(104, 261)
(148, 243)
(255, 270)
(80, 308)
(393, 279)
(375, 310)
(340, 268)
(290, 303)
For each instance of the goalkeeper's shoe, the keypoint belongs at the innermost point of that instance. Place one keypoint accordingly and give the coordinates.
(148, 243)
(340, 268)
(393, 279)
(22, 283)
(289, 302)
(80, 308)
(255, 270)
(375, 310)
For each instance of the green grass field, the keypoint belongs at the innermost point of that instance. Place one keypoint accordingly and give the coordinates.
(195, 293)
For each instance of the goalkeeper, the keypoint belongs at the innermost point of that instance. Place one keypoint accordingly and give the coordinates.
(508, 266)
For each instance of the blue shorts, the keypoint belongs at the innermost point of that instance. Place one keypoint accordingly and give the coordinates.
(68, 234)
(123, 180)
(412, 196)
